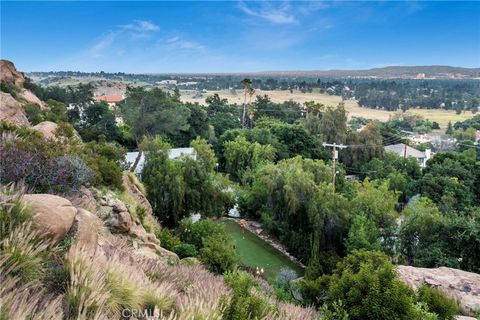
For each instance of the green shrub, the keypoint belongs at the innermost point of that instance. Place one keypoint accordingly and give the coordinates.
(185, 250)
(367, 283)
(314, 291)
(218, 255)
(334, 311)
(245, 303)
(284, 277)
(110, 173)
(168, 239)
(196, 233)
(444, 307)
(33, 113)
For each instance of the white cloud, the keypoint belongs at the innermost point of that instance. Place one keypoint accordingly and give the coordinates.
(180, 43)
(141, 26)
(276, 15)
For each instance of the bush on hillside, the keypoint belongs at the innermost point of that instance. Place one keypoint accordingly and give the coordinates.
(42, 165)
(168, 239)
(437, 302)
(196, 233)
(185, 250)
(366, 281)
(218, 255)
(245, 303)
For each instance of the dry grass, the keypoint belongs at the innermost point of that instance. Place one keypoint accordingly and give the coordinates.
(352, 107)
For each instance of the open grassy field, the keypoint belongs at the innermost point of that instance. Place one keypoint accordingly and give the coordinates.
(255, 252)
(354, 110)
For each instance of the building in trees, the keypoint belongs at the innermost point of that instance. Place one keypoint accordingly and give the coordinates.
(174, 153)
(405, 151)
(111, 100)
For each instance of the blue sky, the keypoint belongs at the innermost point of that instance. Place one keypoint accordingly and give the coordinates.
(238, 36)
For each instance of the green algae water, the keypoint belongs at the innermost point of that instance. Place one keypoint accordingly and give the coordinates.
(255, 252)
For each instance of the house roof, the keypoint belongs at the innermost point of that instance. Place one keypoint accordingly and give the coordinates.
(174, 153)
(400, 150)
(110, 98)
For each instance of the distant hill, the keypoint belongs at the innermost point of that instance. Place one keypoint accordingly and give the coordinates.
(443, 72)
(410, 72)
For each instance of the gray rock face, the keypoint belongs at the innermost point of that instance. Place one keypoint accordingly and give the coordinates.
(458, 284)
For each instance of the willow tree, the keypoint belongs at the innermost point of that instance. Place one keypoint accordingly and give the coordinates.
(176, 188)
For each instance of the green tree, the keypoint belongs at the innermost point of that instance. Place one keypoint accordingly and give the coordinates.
(153, 112)
(222, 115)
(98, 119)
(363, 234)
(241, 156)
(449, 130)
(334, 124)
(179, 187)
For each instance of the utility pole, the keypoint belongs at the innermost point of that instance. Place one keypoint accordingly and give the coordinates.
(334, 158)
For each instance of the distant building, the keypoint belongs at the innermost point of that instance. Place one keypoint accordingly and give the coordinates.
(419, 138)
(403, 150)
(174, 153)
(112, 100)
(420, 76)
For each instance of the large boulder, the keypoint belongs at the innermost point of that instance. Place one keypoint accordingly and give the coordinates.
(11, 110)
(30, 97)
(86, 228)
(47, 128)
(52, 215)
(10, 75)
(460, 285)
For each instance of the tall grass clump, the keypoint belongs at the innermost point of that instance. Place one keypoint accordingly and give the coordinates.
(86, 295)
(23, 255)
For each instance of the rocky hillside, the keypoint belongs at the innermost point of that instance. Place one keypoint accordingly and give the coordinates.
(89, 257)
(14, 96)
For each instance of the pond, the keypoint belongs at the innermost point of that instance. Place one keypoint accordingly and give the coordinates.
(255, 252)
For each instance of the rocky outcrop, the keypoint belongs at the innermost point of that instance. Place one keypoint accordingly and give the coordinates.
(120, 219)
(10, 75)
(11, 110)
(84, 199)
(130, 184)
(47, 129)
(457, 284)
(86, 228)
(52, 215)
(30, 97)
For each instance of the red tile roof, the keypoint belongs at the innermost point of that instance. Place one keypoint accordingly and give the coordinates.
(111, 98)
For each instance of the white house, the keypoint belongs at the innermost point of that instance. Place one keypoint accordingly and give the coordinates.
(403, 150)
(174, 153)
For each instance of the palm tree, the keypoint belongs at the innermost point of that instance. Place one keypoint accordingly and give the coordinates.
(251, 112)
(247, 86)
